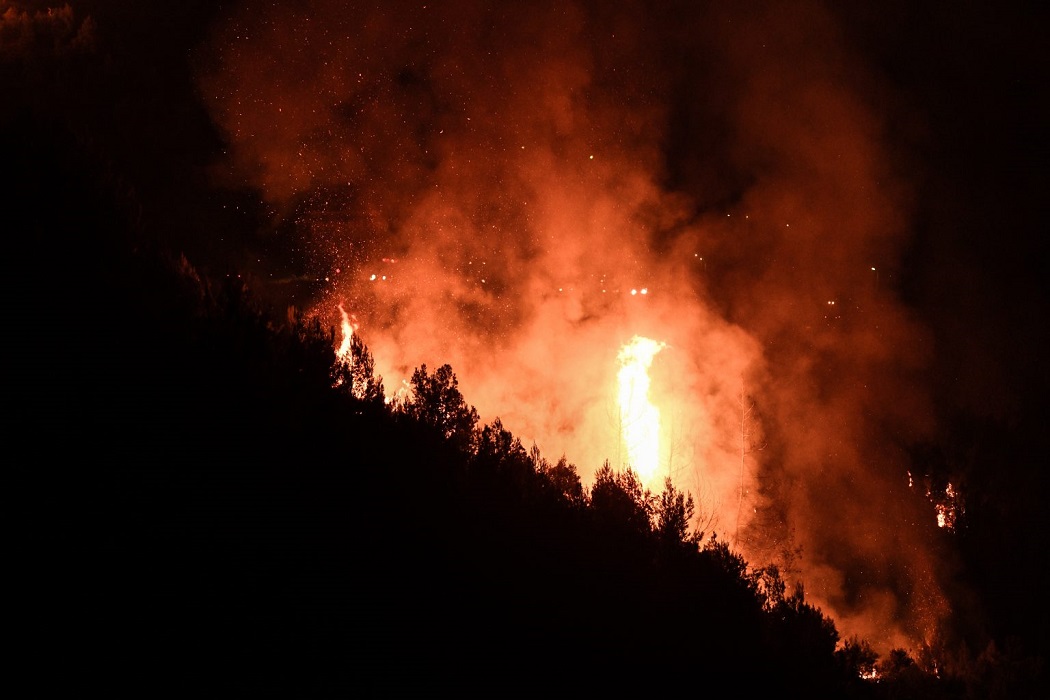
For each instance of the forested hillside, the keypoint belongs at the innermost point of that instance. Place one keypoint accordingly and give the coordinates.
(209, 500)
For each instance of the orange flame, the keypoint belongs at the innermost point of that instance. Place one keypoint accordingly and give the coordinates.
(349, 325)
(639, 418)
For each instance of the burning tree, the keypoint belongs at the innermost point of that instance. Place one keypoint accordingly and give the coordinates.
(355, 373)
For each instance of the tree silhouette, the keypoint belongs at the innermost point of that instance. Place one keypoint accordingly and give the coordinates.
(857, 658)
(501, 462)
(436, 402)
(621, 504)
(563, 477)
(674, 511)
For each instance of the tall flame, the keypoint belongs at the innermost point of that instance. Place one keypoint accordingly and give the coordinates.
(639, 418)
(349, 325)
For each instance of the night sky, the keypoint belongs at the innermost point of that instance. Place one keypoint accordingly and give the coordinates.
(835, 208)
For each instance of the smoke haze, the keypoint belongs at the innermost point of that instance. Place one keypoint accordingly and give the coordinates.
(518, 191)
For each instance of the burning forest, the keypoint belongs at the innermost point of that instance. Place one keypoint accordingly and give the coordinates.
(695, 246)
(520, 192)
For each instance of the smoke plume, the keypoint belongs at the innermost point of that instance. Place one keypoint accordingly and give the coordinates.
(518, 189)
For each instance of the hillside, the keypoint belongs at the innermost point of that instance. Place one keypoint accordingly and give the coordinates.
(208, 507)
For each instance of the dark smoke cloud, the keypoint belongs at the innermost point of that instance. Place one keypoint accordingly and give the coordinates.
(484, 184)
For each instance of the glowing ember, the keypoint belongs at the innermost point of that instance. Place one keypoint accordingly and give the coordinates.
(947, 511)
(639, 418)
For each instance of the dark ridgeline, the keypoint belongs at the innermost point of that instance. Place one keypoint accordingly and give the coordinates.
(209, 501)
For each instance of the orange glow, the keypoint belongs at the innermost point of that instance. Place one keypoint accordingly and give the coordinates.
(471, 226)
(639, 418)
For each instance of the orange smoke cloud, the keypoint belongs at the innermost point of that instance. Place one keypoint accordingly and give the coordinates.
(527, 167)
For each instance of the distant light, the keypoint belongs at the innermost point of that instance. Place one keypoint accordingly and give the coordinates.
(372, 278)
(634, 292)
(644, 290)
(873, 269)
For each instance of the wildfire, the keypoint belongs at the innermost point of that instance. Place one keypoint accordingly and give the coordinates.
(349, 325)
(639, 418)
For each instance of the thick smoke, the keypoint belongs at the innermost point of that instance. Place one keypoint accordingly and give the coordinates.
(518, 189)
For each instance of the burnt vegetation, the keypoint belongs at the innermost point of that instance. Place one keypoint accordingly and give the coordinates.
(216, 503)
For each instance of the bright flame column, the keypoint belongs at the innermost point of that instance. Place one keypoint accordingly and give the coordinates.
(349, 325)
(639, 418)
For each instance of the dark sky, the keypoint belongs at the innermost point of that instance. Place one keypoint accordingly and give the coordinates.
(907, 137)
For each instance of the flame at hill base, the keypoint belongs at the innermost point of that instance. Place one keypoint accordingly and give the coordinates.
(514, 191)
